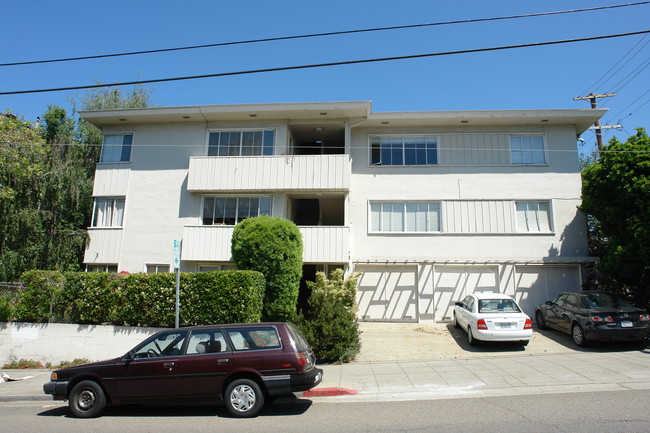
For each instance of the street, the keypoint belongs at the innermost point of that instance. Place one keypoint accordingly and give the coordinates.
(610, 411)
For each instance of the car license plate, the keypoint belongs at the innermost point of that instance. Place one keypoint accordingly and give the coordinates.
(627, 324)
(505, 324)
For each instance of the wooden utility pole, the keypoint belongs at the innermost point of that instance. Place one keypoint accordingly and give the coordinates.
(592, 97)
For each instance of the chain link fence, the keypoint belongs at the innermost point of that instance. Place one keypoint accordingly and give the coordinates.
(9, 295)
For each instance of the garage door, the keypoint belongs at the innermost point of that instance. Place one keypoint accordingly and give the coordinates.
(537, 284)
(387, 293)
(454, 282)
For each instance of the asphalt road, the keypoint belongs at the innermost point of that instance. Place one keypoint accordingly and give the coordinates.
(617, 411)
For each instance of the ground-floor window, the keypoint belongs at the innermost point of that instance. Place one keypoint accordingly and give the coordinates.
(101, 268)
(156, 269)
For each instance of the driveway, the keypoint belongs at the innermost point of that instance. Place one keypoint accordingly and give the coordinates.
(418, 341)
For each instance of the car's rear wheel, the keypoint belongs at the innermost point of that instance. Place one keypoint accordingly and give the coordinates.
(539, 318)
(87, 399)
(470, 337)
(244, 398)
(578, 335)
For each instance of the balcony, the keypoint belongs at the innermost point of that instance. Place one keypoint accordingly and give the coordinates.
(111, 179)
(104, 245)
(321, 244)
(269, 173)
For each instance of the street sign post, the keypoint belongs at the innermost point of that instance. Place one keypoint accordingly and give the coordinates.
(177, 266)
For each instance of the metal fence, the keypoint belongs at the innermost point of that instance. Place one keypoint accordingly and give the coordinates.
(9, 294)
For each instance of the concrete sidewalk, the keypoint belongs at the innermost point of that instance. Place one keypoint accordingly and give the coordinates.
(418, 361)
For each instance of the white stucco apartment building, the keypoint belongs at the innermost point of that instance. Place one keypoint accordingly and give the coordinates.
(429, 206)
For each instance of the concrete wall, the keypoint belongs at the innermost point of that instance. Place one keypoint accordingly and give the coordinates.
(57, 342)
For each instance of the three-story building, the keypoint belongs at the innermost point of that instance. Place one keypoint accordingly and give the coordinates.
(430, 206)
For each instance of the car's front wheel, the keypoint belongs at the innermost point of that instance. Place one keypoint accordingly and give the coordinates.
(244, 398)
(87, 399)
(578, 335)
(456, 324)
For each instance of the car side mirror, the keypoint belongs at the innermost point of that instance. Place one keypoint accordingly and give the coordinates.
(549, 303)
(460, 304)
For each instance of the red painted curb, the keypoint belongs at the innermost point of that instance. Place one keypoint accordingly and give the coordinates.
(328, 392)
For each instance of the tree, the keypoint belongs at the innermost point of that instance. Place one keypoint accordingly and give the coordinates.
(46, 181)
(272, 246)
(616, 193)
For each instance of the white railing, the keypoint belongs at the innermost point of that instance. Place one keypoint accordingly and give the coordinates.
(271, 173)
(321, 244)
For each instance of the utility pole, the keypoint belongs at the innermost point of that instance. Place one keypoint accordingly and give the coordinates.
(592, 97)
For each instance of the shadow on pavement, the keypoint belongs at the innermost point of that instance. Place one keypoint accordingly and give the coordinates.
(285, 406)
(594, 346)
(460, 337)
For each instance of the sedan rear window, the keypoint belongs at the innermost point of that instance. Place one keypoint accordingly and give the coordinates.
(604, 300)
(498, 306)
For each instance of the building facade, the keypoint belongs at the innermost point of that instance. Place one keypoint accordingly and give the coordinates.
(430, 206)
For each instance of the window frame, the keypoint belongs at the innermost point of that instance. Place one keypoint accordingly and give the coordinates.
(405, 216)
(236, 207)
(551, 228)
(130, 147)
(241, 131)
(403, 138)
(532, 151)
(114, 200)
(105, 265)
(157, 265)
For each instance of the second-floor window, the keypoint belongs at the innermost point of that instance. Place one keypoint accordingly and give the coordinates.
(116, 148)
(408, 150)
(527, 150)
(533, 216)
(241, 143)
(231, 210)
(108, 212)
(404, 216)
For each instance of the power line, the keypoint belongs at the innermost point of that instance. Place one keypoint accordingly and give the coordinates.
(313, 35)
(322, 65)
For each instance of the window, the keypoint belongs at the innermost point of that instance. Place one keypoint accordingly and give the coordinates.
(404, 150)
(527, 149)
(241, 143)
(101, 268)
(231, 210)
(109, 212)
(405, 217)
(168, 344)
(117, 148)
(209, 341)
(157, 269)
(254, 338)
(533, 216)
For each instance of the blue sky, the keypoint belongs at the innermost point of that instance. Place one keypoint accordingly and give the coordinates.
(529, 78)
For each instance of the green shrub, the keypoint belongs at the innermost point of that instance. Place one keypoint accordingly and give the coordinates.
(90, 297)
(330, 324)
(149, 299)
(37, 301)
(272, 246)
(221, 297)
(6, 309)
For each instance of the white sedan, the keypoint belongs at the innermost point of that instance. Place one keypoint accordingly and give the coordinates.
(492, 317)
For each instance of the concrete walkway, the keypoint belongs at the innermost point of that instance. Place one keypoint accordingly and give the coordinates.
(426, 361)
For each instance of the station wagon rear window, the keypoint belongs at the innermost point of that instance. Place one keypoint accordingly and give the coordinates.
(254, 338)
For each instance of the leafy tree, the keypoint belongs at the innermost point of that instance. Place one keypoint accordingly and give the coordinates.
(46, 180)
(616, 193)
(272, 246)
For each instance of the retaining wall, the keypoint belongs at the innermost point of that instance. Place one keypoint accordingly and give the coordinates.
(57, 342)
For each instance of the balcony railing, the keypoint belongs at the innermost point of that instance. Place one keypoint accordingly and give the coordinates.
(269, 173)
(104, 245)
(321, 244)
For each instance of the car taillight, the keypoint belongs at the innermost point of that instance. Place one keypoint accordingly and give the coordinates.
(303, 358)
(528, 324)
(608, 319)
(644, 317)
(481, 324)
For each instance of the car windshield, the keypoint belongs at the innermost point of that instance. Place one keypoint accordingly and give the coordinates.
(498, 306)
(604, 300)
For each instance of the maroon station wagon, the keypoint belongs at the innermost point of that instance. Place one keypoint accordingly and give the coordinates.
(243, 365)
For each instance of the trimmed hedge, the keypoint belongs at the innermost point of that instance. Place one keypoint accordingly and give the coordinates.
(140, 299)
(272, 246)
